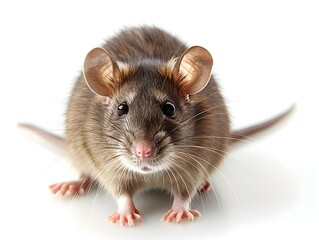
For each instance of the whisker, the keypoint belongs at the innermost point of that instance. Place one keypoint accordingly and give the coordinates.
(224, 177)
(189, 175)
(104, 169)
(213, 150)
(177, 182)
(194, 182)
(180, 177)
(208, 137)
(196, 115)
(222, 153)
(205, 176)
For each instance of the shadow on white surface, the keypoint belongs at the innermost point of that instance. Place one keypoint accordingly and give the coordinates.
(250, 188)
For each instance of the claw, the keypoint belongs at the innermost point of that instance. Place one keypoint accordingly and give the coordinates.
(178, 215)
(125, 218)
(180, 210)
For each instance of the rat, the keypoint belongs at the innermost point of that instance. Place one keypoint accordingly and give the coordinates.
(146, 106)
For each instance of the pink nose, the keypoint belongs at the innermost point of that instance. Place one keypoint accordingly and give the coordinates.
(143, 148)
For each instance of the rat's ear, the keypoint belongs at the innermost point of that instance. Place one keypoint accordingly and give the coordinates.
(195, 66)
(101, 72)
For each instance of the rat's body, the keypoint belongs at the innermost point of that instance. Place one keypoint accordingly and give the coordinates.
(185, 149)
(146, 106)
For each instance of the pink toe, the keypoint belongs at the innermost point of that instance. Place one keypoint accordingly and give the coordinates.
(190, 216)
(179, 217)
(164, 217)
(195, 213)
(130, 221)
(137, 217)
(64, 189)
(171, 217)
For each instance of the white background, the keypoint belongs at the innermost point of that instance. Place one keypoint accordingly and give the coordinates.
(265, 57)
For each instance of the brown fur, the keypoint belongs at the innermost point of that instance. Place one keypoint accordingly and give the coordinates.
(195, 140)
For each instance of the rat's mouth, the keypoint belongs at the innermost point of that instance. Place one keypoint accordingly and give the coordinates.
(145, 166)
(145, 169)
(137, 166)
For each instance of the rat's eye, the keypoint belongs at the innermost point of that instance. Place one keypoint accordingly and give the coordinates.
(168, 109)
(122, 109)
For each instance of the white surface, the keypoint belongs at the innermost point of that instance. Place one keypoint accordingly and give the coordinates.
(265, 57)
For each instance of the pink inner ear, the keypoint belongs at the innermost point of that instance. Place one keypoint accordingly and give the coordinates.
(98, 71)
(106, 70)
(196, 64)
(190, 70)
(92, 61)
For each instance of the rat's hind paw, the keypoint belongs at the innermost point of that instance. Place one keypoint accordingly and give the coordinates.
(205, 188)
(126, 217)
(178, 215)
(72, 188)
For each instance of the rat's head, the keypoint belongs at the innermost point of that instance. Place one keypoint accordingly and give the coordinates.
(146, 103)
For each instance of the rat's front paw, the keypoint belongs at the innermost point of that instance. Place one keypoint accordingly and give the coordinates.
(125, 217)
(72, 188)
(179, 214)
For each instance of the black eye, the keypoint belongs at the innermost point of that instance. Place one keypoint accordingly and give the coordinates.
(168, 109)
(122, 109)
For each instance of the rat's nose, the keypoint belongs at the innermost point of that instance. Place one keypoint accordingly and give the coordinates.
(143, 149)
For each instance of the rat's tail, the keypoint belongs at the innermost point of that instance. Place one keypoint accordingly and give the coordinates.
(58, 142)
(242, 134)
(48, 138)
